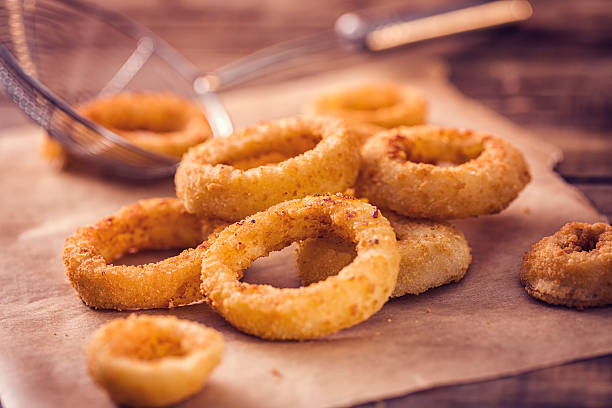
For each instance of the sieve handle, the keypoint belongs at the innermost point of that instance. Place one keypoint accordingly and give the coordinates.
(378, 34)
(368, 33)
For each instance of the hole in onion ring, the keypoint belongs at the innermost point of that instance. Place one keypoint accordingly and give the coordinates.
(368, 100)
(276, 270)
(445, 151)
(153, 343)
(279, 268)
(329, 258)
(585, 240)
(158, 115)
(264, 159)
(147, 256)
(264, 154)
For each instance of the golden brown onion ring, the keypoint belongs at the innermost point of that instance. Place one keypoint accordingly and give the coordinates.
(402, 170)
(432, 254)
(358, 291)
(159, 122)
(149, 224)
(383, 104)
(573, 267)
(153, 361)
(260, 166)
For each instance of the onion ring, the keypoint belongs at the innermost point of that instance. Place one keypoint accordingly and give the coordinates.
(313, 154)
(399, 172)
(148, 224)
(159, 122)
(432, 254)
(573, 267)
(383, 104)
(153, 361)
(357, 292)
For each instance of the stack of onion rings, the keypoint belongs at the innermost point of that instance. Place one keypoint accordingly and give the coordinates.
(148, 224)
(573, 267)
(257, 167)
(400, 171)
(153, 361)
(358, 291)
(432, 254)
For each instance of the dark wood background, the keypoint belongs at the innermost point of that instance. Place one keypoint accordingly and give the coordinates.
(552, 75)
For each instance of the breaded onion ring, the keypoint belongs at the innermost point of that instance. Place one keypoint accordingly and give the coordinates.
(153, 361)
(149, 224)
(573, 267)
(260, 166)
(401, 171)
(159, 122)
(432, 254)
(382, 104)
(359, 290)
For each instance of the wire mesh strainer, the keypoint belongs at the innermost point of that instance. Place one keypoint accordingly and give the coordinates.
(56, 55)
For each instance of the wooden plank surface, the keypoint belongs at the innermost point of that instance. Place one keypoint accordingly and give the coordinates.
(552, 75)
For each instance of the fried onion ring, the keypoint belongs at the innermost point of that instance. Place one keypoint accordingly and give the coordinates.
(153, 361)
(573, 267)
(255, 168)
(149, 224)
(359, 290)
(402, 170)
(159, 122)
(383, 104)
(432, 254)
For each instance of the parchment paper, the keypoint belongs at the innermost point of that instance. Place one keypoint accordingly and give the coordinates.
(486, 326)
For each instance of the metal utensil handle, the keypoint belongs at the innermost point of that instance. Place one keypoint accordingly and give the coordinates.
(372, 35)
(396, 31)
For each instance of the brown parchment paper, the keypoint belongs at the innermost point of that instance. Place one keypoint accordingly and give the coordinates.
(486, 326)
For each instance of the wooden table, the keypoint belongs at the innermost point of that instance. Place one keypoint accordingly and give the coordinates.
(552, 75)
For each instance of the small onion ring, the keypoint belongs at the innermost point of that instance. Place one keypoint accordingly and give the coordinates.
(399, 172)
(573, 267)
(432, 254)
(158, 122)
(158, 223)
(316, 154)
(383, 104)
(153, 361)
(358, 291)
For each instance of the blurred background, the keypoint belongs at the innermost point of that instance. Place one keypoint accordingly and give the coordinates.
(552, 74)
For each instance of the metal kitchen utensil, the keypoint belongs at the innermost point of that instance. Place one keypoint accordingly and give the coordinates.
(56, 54)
